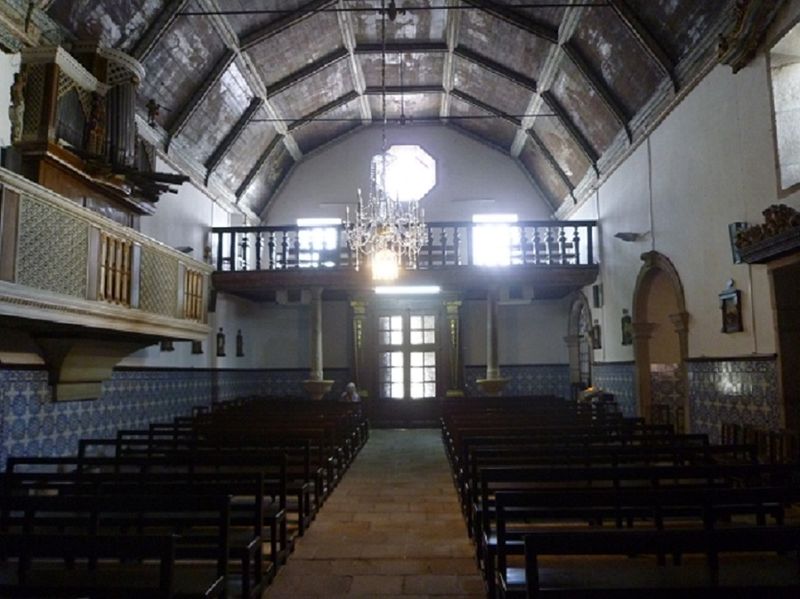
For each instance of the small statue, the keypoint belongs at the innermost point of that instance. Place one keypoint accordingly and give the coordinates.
(16, 111)
(153, 111)
(96, 127)
(220, 344)
(239, 344)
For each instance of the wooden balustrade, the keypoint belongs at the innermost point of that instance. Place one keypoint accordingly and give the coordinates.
(449, 244)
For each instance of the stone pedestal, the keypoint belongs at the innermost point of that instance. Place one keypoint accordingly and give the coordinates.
(492, 386)
(317, 388)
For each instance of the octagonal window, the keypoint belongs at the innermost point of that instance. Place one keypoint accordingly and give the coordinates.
(410, 172)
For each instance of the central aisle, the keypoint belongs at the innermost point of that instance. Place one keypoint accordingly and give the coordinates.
(392, 528)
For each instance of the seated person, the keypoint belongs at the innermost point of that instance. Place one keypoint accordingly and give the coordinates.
(350, 393)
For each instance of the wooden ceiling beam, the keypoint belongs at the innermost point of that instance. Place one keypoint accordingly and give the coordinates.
(452, 28)
(645, 39)
(471, 100)
(518, 20)
(393, 90)
(157, 29)
(259, 164)
(307, 71)
(572, 129)
(283, 23)
(357, 74)
(401, 47)
(552, 162)
(333, 105)
(227, 143)
(496, 68)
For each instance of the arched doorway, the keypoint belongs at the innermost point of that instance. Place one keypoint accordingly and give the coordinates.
(660, 343)
(579, 343)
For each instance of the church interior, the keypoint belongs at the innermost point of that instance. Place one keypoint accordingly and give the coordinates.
(399, 298)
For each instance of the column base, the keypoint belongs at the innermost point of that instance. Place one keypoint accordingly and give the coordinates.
(317, 389)
(492, 386)
(454, 393)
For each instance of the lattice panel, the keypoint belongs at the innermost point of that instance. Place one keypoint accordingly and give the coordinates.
(34, 95)
(159, 284)
(53, 250)
(65, 84)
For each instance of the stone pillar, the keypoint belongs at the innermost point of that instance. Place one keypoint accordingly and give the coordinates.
(359, 315)
(455, 383)
(316, 386)
(492, 384)
(642, 332)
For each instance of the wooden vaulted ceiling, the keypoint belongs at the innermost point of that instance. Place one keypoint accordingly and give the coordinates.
(247, 88)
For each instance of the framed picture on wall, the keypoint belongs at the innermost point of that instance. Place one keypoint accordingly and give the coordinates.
(730, 302)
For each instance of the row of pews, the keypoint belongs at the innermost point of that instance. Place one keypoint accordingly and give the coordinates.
(563, 500)
(203, 506)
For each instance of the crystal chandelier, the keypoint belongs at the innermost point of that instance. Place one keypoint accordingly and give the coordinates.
(389, 232)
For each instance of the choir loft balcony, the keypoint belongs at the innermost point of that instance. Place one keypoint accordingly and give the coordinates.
(534, 259)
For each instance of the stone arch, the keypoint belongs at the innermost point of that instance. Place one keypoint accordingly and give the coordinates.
(659, 314)
(579, 345)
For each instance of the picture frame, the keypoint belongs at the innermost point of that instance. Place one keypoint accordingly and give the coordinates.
(730, 303)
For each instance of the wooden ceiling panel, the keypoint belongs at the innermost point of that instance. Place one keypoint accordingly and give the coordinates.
(584, 107)
(416, 106)
(274, 171)
(243, 154)
(305, 42)
(490, 88)
(547, 14)
(218, 113)
(678, 25)
(184, 56)
(498, 132)
(562, 147)
(417, 68)
(331, 125)
(421, 25)
(502, 42)
(316, 91)
(248, 22)
(114, 24)
(543, 173)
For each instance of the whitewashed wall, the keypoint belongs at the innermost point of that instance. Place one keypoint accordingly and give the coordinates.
(471, 178)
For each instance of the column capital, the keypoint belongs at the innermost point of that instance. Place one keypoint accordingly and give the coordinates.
(359, 308)
(680, 321)
(643, 330)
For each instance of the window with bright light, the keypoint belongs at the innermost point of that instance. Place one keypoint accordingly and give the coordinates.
(410, 172)
(318, 239)
(494, 239)
(407, 355)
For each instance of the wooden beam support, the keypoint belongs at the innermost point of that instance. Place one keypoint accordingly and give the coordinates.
(357, 74)
(259, 164)
(575, 133)
(465, 97)
(278, 25)
(392, 90)
(645, 39)
(307, 71)
(200, 94)
(234, 134)
(453, 24)
(400, 47)
(552, 162)
(157, 29)
(496, 68)
(333, 105)
(518, 20)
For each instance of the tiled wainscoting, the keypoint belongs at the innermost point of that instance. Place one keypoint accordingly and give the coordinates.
(618, 378)
(531, 379)
(740, 390)
(32, 424)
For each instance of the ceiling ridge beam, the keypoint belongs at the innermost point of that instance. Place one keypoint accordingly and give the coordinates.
(518, 20)
(332, 105)
(157, 29)
(359, 81)
(646, 40)
(250, 73)
(227, 143)
(496, 68)
(376, 90)
(281, 24)
(452, 27)
(572, 129)
(465, 97)
(569, 22)
(603, 91)
(401, 47)
(199, 94)
(307, 71)
(552, 162)
(254, 170)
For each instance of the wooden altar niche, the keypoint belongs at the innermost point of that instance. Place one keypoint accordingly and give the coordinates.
(75, 130)
(776, 243)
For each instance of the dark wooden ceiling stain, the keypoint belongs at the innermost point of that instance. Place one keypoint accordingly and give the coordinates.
(415, 106)
(562, 147)
(298, 46)
(490, 88)
(584, 107)
(419, 25)
(497, 132)
(244, 24)
(179, 63)
(315, 92)
(417, 68)
(114, 24)
(614, 55)
(216, 116)
(543, 173)
(678, 25)
(317, 133)
(245, 152)
(503, 43)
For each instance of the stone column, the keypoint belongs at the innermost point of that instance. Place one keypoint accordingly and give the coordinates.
(492, 384)
(316, 386)
(455, 384)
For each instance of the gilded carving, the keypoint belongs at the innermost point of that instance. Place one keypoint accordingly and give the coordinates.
(778, 219)
(16, 112)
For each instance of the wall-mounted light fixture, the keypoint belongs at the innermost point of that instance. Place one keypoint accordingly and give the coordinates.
(630, 236)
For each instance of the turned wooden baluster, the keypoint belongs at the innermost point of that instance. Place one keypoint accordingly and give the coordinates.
(297, 249)
(457, 245)
(284, 249)
(259, 248)
(537, 239)
(443, 243)
(244, 245)
(576, 244)
(271, 249)
(562, 244)
(233, 251)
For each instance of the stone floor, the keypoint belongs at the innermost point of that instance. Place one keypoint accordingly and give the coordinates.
(392, 528)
